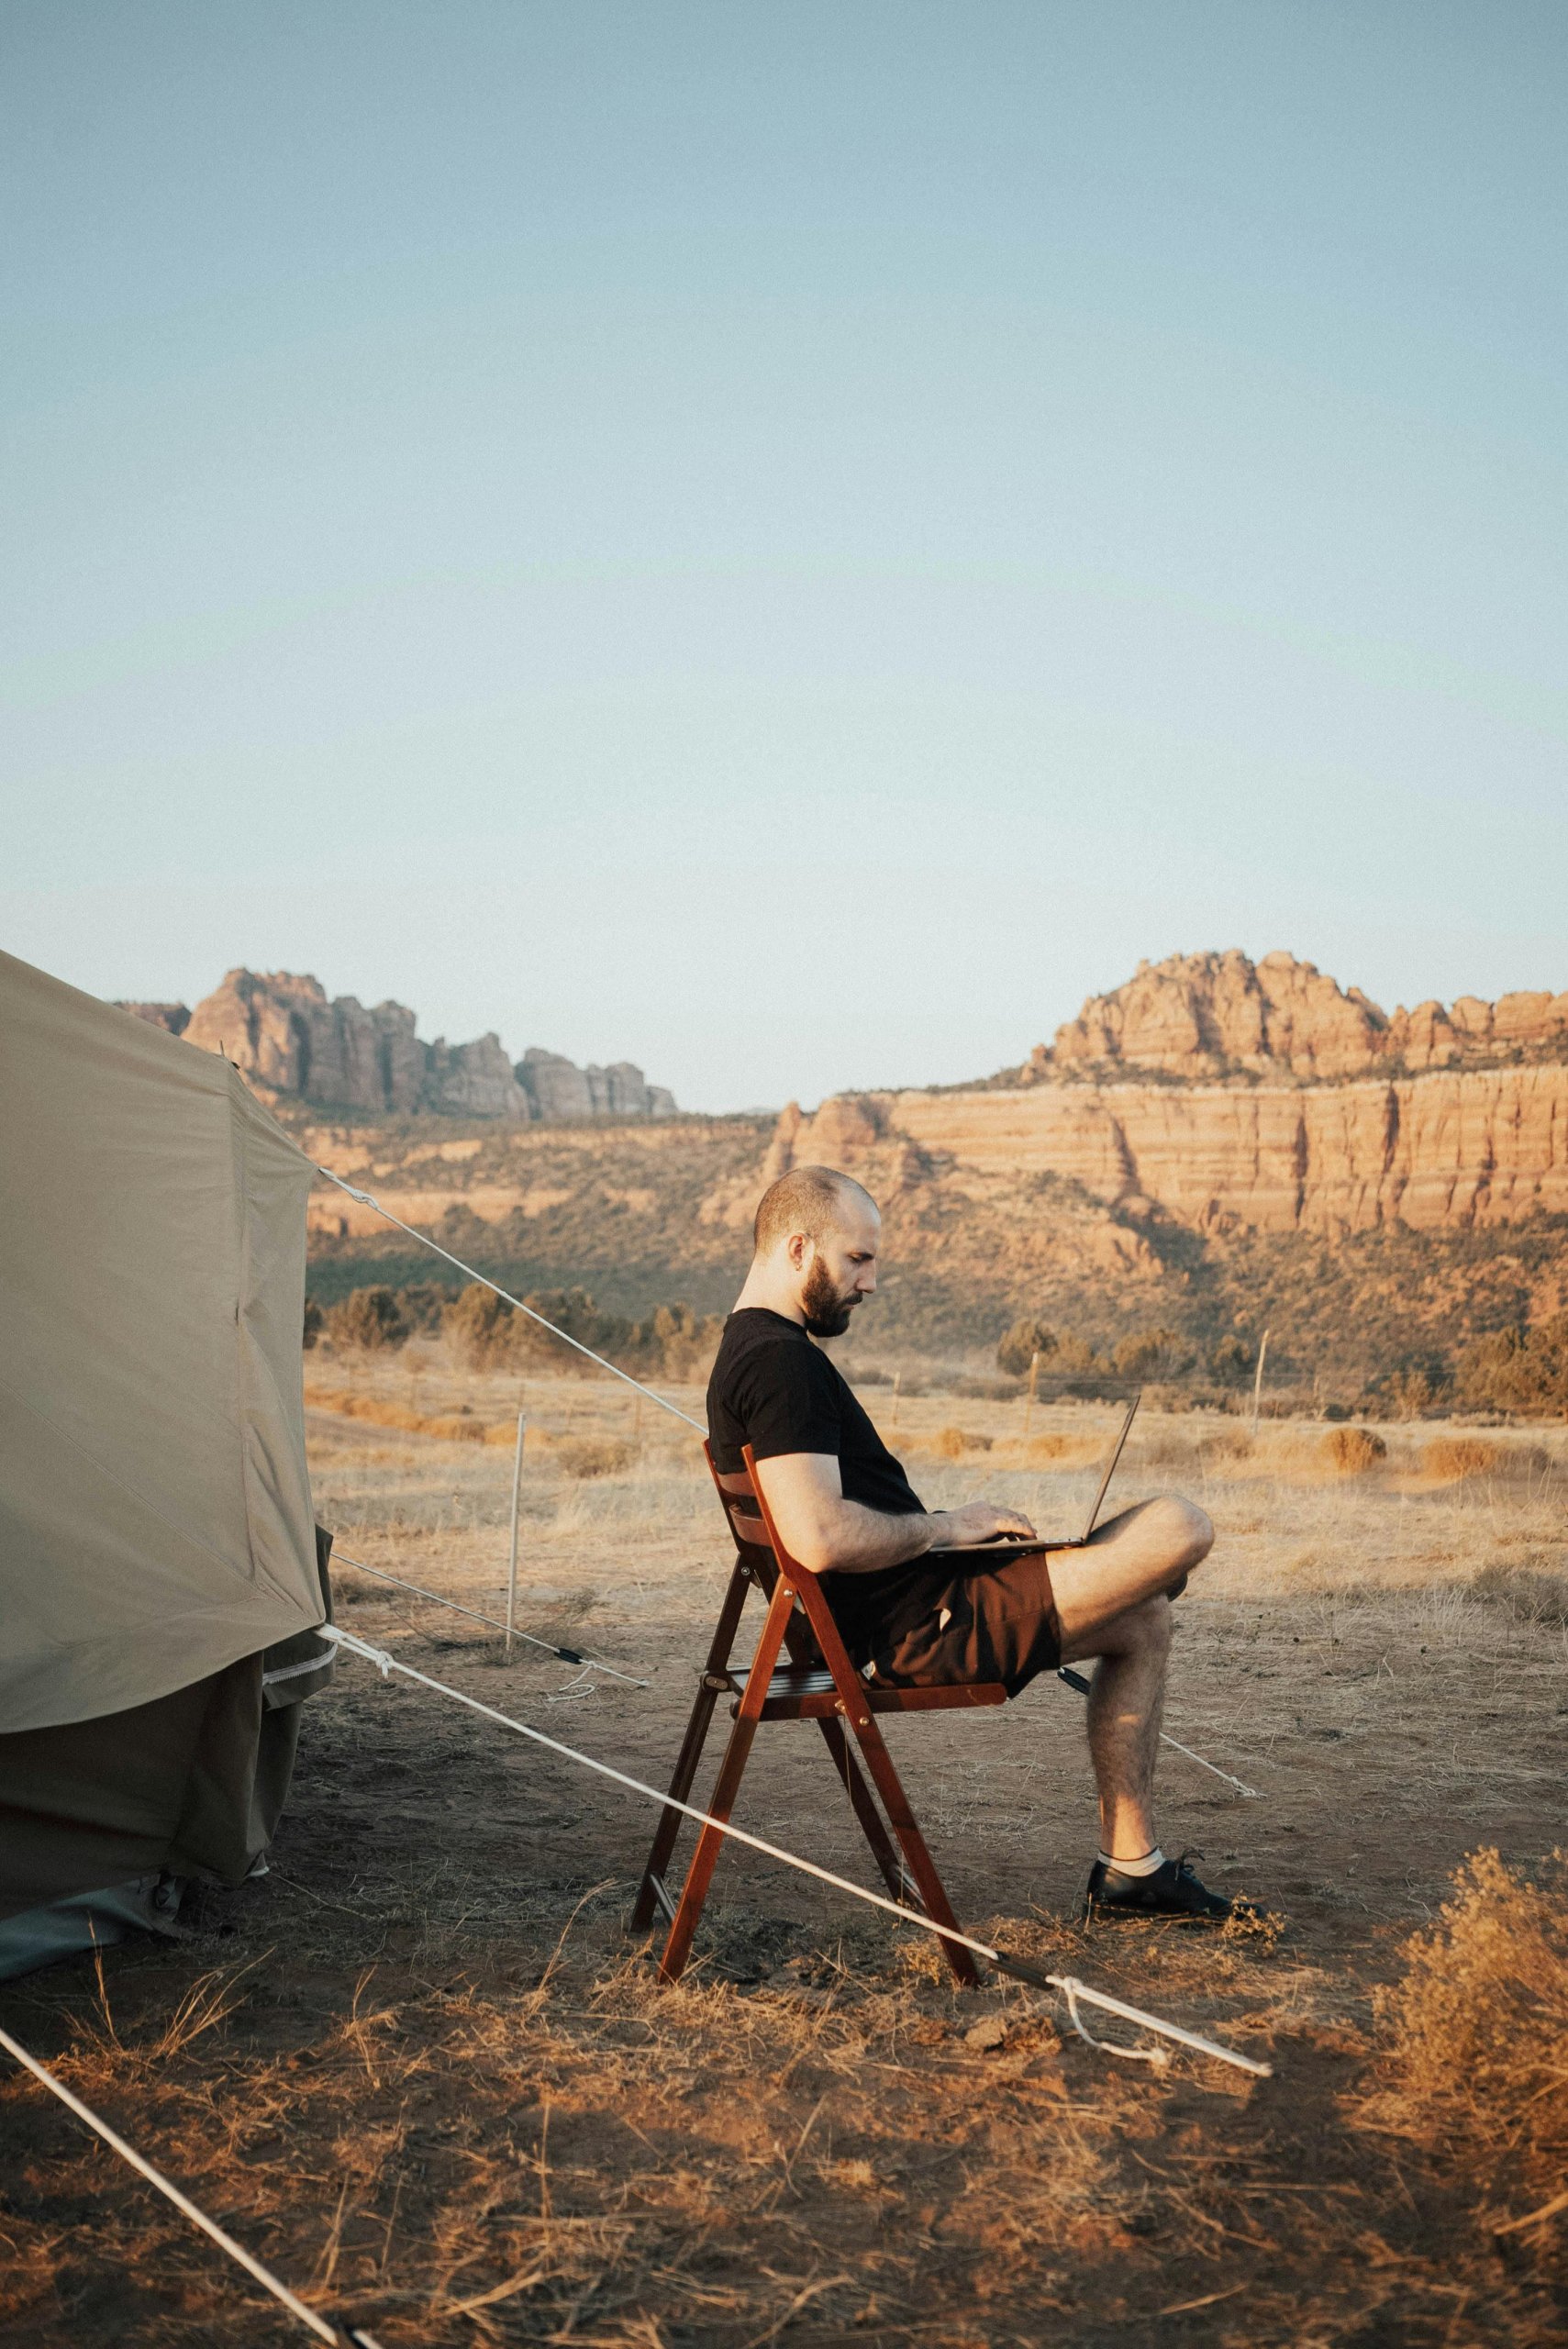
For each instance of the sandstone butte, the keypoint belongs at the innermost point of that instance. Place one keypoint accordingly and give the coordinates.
(1208, 1092)
(1450, 1149)
(293, 1043)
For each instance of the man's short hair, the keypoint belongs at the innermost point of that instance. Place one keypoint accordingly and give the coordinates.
(809, 1199)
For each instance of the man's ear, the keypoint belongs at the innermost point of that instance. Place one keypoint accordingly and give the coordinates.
(796, 1248)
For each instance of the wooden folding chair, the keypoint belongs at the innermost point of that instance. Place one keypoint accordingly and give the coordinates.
(819, 1684)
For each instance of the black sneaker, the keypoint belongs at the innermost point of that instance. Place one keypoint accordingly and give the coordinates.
(1172, 1891)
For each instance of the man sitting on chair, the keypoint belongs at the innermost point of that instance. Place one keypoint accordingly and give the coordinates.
(845, 1510)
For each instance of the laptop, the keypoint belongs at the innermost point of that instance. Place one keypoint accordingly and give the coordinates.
(1015, 1545)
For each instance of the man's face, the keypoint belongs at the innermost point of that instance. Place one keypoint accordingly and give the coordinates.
(838, 1269)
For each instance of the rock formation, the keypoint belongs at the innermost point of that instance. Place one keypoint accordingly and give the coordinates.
(173, 1017)
(1451, 1148)
(1305, 1109)
(560, 1090)
(1224, 1015)
(294, 1043)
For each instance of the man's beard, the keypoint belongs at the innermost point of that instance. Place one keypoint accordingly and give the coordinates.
(827, 1311)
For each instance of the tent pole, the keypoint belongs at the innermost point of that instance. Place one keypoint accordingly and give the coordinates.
(512, 1564)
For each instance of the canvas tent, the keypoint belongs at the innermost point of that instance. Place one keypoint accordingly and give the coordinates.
(159, 1576)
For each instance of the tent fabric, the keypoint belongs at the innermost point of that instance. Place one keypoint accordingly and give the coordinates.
(88, 1921)
(155, 1517)
(192, 1783)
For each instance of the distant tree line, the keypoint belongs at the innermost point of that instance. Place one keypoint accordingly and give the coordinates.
(486, 1332)
(1145, 1357)
(1522, 1371)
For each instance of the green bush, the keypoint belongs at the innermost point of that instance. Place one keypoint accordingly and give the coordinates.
(573, 1312)
(1416, 1389)
(1232, 1362)
(1521, 1370)
(488, 1333)
(677, 1343)
(478, 1325)
(314, 1319)
(1018, 1348)
(1150, 1353)
(423, 1305)
(368, 1319)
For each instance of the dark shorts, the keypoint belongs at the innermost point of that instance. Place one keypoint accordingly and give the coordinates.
(986, 1623)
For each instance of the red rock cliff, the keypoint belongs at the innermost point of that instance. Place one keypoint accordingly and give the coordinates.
(1221, 1015)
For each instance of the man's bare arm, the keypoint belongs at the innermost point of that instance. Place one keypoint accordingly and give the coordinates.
(826, 1534)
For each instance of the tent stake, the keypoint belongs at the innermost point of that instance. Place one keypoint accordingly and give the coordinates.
(512, 1562)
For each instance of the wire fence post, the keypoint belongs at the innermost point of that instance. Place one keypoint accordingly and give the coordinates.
(512, 1560)
(1028, 1407)
(897, 1383)
(1258, 1382)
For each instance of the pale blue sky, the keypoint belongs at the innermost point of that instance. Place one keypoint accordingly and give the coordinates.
(787, 542)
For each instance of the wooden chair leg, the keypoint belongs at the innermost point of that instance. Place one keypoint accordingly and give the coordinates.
(721, 1802)
(922, 1868)
(863, 1804)
(651, 1895)
(802, 1648)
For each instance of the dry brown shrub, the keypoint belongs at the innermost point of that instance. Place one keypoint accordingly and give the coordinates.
(452, 1427)
(369, 1320)
(951, 1443)
(1453, 1456)
(1534, 1594)
(1171, 1447)
(1475, 2029)
(1350, 1452)
(361, 1406)
(590, 1455)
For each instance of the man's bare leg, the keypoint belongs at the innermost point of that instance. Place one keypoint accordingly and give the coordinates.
(1111, 1598)
(1126, 1701)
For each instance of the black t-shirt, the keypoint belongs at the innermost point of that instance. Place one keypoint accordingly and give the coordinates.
(774, 1390)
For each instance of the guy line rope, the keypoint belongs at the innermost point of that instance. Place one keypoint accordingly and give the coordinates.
(566, 1655)
(367, 1198)
(1069, 1985)
(314, 2324)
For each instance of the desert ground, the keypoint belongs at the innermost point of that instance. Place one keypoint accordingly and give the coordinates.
(422, 2068)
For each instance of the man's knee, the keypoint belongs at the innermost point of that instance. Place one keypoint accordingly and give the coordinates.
(1147, 1626)
(1183, 1529)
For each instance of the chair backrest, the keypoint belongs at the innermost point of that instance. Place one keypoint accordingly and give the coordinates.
(739, 1496)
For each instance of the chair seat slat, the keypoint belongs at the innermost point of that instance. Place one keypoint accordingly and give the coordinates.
(811, 1695)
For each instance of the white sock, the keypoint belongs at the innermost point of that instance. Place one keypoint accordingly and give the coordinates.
(1147, 1865)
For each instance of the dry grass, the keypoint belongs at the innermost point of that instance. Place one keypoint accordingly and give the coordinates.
(954, 1443)
(1475, 2067)
(451, 1427)
(1532, 1592)
(1452, 1457)
(421, 2069)
(1350, 1452)
(584, 1455)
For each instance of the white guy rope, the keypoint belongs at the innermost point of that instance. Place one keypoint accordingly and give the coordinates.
(1251, 1793)
(425, 1241)
(182, 2202)
(1067, 1983)
(1076, 1680)
(1155, 2055)
(567, 1655)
